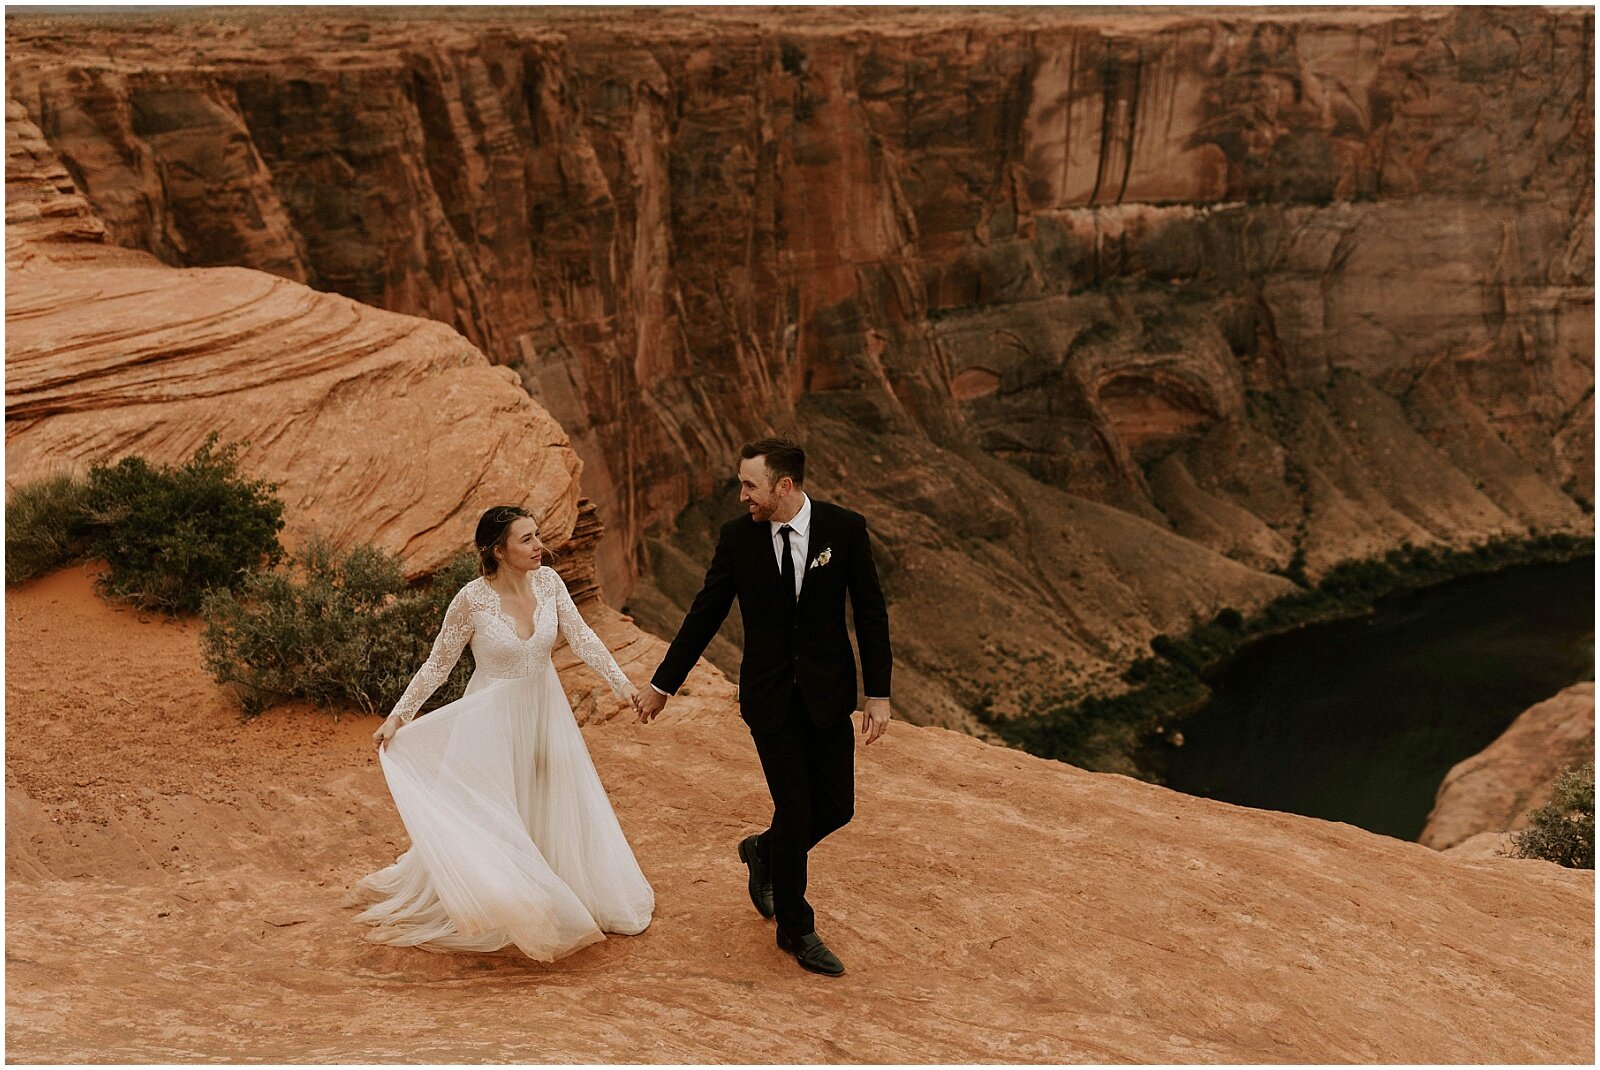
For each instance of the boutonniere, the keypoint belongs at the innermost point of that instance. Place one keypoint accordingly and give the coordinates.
(823, 558)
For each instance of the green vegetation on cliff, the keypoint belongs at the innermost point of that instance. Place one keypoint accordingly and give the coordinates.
(1562, 831)
(1102, 732)
(45, 526)
(168, 533)
(338, 628)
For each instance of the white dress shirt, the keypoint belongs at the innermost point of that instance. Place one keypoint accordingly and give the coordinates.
(799, 540)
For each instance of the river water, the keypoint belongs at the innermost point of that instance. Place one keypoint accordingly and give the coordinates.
(1359, 720)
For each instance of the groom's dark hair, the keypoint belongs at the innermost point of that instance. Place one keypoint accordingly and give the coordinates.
(784, 458)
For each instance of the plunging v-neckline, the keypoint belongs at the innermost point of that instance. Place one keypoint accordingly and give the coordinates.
(500, 609)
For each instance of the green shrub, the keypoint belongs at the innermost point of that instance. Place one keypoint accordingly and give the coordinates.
(168, 533)
(46, 526)
(1101, 732)
(171, 532)
(337, 628)
(1229, 619)
(1361, 579)
(1562, 831)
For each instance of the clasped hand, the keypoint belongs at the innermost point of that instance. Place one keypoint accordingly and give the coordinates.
(647, 703)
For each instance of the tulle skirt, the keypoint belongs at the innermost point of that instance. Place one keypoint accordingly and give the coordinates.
(513, 840)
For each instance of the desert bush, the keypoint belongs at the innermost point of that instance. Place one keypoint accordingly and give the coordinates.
(168, 533)
(339, 628)
(46, 526)
(1229, 619)
(1563, 830)
(1361, 579)
(1100, 732)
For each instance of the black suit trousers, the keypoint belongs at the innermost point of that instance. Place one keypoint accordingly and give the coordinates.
(811, 774)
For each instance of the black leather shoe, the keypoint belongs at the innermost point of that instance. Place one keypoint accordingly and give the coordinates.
(750, 854)
(812, 953)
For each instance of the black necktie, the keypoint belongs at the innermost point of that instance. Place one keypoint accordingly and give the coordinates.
(786, 569)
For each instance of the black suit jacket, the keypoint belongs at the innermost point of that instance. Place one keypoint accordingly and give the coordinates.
(805, 646)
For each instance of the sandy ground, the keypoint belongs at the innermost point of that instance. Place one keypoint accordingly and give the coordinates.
(175, 879)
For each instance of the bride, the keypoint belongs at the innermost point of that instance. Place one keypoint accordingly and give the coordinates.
(513, 840)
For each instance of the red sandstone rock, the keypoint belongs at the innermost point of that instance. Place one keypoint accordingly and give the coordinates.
(1493, 791)
(175, 878)
(380, 428)
(681, 229)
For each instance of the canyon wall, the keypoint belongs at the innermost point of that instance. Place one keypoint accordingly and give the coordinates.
(1102, 318)
(110, 352)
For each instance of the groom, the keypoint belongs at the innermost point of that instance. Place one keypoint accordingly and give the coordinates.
(790, 563)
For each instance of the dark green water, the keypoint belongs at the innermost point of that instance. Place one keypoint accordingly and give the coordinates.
(1359, 720)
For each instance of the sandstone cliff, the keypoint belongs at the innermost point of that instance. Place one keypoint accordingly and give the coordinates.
(1123, 309)
(379, 427)
(1492, 791)
(174, 881)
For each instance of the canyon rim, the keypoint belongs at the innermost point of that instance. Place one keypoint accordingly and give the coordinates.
(1106, 319)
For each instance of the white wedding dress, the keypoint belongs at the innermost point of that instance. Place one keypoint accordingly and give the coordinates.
(513, 840)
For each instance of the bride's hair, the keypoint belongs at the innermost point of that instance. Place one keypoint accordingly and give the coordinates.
(493, 527)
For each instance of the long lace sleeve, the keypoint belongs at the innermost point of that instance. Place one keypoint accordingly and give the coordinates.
(447, 647)
(583, 641)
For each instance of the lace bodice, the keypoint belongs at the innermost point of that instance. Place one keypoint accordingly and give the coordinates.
(475, 615)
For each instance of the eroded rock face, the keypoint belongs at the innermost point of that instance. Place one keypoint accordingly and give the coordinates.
(1267, 282)
(1493, 791)
(380, 428)
(1070, 916)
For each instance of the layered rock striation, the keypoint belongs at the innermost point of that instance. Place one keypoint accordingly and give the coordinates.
(1124, 309)
(379, 428)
